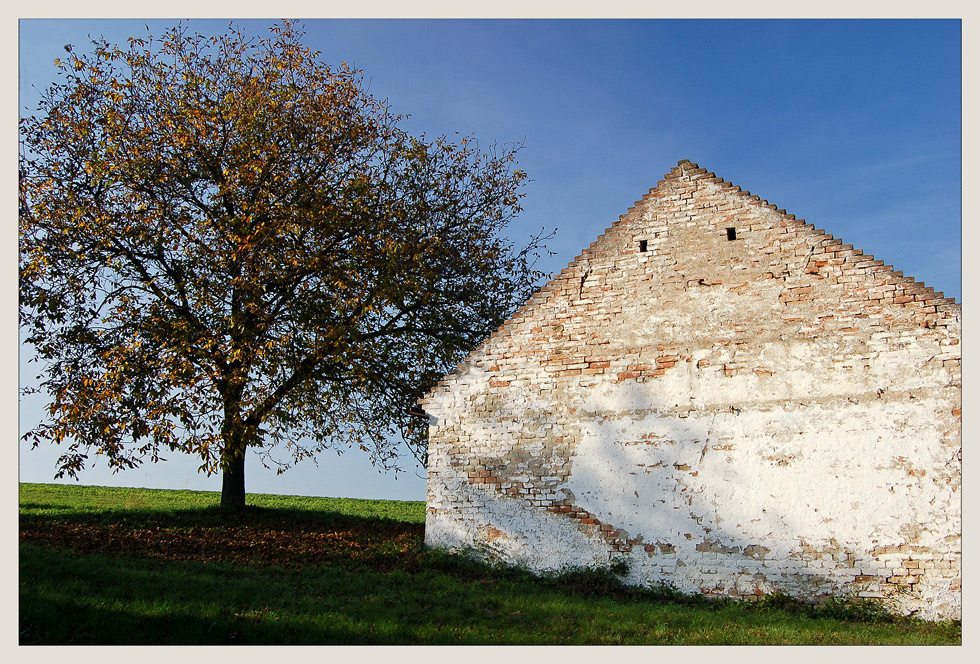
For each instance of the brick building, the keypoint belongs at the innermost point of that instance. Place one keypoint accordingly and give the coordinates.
(721, 396)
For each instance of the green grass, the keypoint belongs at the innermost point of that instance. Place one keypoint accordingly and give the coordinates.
(138, 566)
(109, 503)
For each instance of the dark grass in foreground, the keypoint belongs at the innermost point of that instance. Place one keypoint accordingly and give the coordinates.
(138, 566)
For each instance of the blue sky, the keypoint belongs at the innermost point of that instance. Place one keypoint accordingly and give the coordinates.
(852, 125)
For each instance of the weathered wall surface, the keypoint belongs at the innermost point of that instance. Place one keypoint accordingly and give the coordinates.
(776, 411)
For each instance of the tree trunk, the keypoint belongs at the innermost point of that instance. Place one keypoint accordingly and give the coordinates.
(233, 481)
(233, 462)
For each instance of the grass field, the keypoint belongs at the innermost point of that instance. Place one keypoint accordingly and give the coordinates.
(139, 566)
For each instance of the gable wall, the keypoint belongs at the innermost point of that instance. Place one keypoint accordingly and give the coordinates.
(776, 412)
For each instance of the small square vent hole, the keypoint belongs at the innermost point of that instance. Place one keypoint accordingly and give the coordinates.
(731, 233)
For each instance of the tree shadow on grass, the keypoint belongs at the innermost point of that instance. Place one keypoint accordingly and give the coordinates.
(167, 613)
(72, 598)
(279, 575)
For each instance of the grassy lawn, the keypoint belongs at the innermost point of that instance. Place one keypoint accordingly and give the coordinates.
(139, 566)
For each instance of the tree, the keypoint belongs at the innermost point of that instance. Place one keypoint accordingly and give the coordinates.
(227, 245)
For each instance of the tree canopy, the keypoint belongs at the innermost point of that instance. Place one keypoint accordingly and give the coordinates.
(226, 244)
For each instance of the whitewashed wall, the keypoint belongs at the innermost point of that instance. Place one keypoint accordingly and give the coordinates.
(775, 412)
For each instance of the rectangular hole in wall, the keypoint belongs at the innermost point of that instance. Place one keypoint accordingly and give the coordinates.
(643, 245)
(731, 233)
